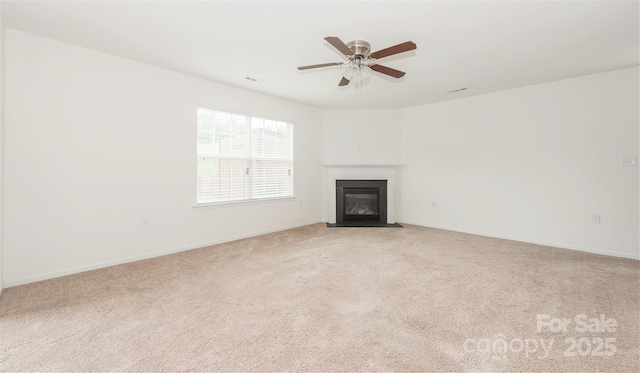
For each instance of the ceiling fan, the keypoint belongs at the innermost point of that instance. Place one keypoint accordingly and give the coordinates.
(361, 61)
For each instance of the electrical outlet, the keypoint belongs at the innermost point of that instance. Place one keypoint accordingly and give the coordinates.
(595, 218)
(417, 202)
(144, 221)
(628, 161)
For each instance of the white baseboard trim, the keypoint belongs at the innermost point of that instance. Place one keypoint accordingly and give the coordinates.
(66, 272)
(617, 254)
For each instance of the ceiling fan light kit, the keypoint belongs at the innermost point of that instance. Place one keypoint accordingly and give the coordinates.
(358, 74)
(361, 61)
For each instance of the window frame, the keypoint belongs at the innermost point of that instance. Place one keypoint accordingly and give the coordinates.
(248, 158)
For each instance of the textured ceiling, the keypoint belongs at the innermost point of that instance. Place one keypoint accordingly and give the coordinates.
(483, 45)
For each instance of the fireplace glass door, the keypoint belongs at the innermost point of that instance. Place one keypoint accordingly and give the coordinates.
(361, 204)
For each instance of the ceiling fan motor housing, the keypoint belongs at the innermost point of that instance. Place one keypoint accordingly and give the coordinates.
(360, 48)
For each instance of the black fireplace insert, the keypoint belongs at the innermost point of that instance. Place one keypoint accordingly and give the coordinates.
(361, 201)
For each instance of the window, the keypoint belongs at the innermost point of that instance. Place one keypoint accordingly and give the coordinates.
(243, 158)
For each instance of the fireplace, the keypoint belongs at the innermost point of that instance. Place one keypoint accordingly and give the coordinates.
(361, 202)
(370, 187)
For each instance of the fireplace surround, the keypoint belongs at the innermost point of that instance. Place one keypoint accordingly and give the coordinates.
(383, 174)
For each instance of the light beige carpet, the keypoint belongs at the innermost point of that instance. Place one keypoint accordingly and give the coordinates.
(340, 299)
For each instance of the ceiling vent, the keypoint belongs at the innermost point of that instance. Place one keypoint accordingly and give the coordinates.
(252, 79)
(459, 90)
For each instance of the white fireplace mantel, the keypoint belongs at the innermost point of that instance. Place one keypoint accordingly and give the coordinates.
(362, 172)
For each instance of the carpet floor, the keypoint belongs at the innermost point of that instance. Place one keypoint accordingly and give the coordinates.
(334, 299)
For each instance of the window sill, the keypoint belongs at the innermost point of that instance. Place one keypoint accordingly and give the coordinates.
(215, 205)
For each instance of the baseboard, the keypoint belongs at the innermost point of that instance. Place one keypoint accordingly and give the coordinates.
(537, 242)
(66, 272)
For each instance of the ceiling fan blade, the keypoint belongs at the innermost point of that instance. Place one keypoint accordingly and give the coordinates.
(404, 47)
(387, 71)
(339, 45)
(343, 81)
(319, 65)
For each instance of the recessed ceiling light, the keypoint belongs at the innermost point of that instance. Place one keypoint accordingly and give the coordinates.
(459, 90)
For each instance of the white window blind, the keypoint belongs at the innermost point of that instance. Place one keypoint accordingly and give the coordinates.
(242, 157)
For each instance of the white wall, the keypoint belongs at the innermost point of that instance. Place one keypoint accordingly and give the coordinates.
(1, 144)
(530, 164)
(95, 142)
(359, 137)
